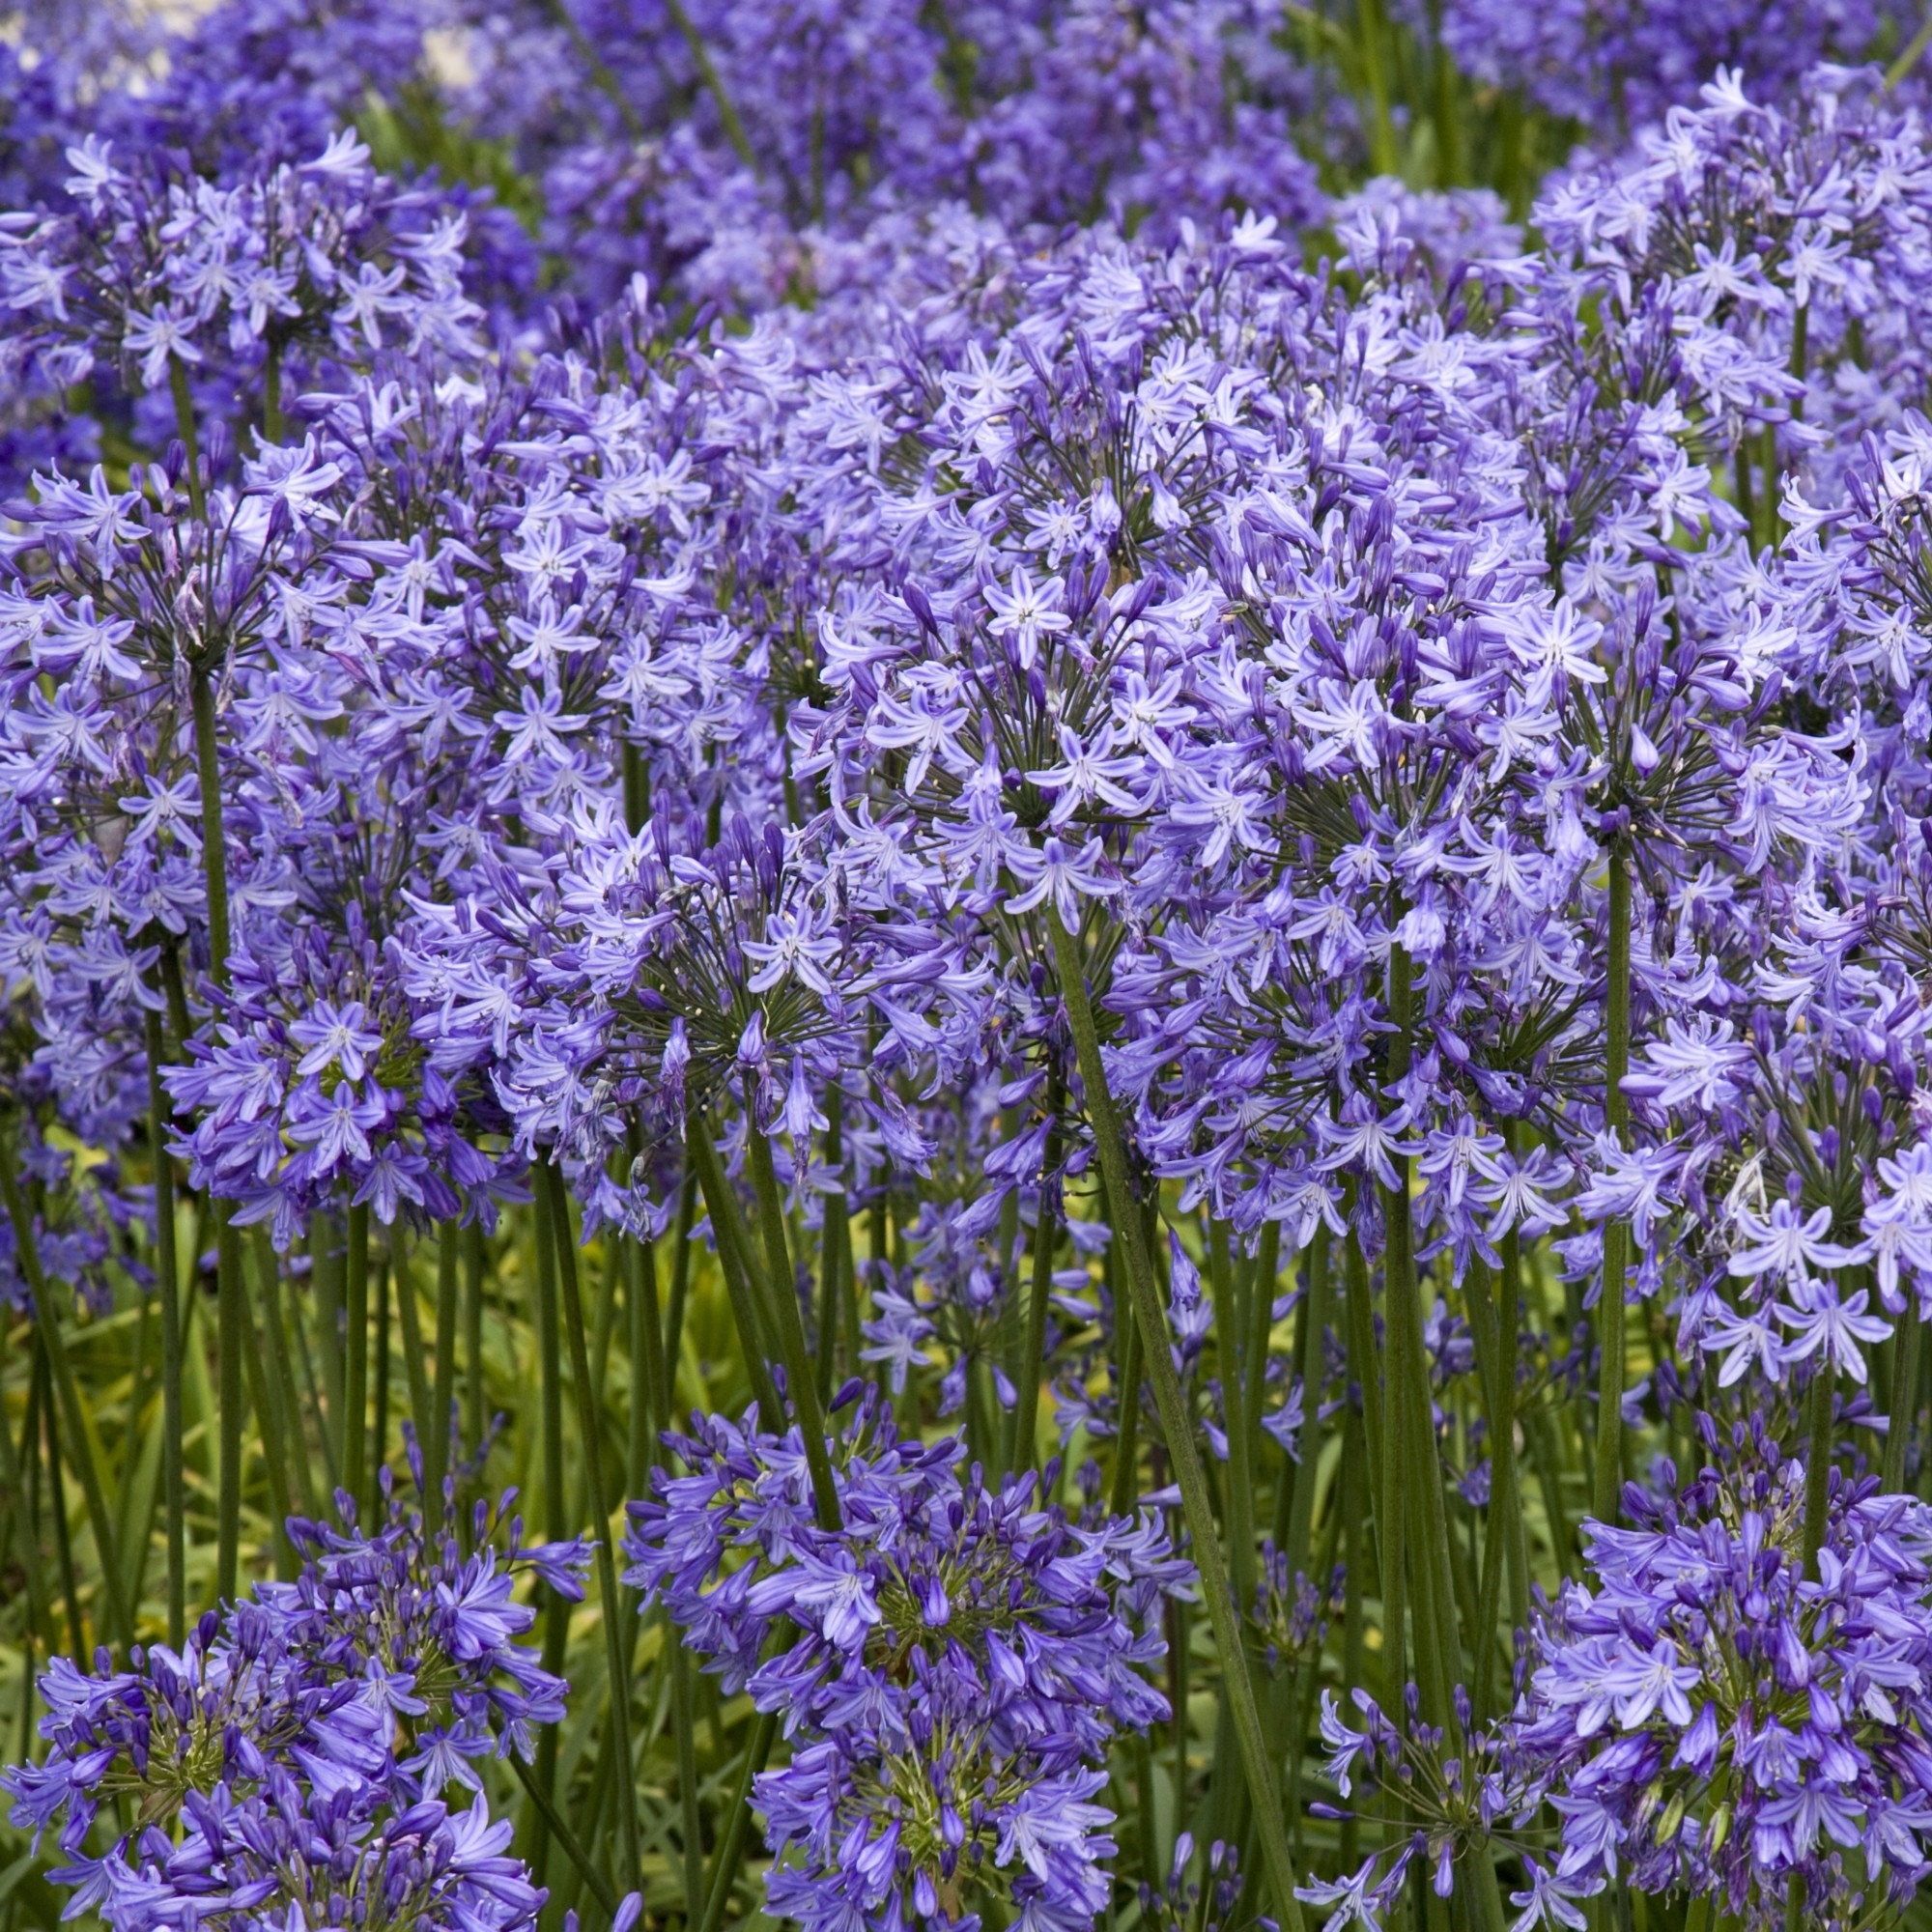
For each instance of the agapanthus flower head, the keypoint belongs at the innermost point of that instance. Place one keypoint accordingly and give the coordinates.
(335, 1848)
(155, 271)
(425, 1613)
(1709, 1719)
(382, 1673)
(314, 1090)
(949, 1667)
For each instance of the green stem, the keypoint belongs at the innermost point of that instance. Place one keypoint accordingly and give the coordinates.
(435, 1448)
(724, 1856)
(1301, 1511)
(1496, 1379)
(1363, 1355)
(877, 1259)
(1818, 1465)
(185, 428)
(590, 1816)
(1904, 1399)
(416, 1365)
(281, 1367)
(1025, 1452)
(24, 1738)
(1563, 1541)
(475, 1394)
(81, 1444)
(167, 1286)
(382, 1284)
(680, 1291)
(1611, 1311)
(1126, 1386)
(729, 116)
(556, 1608)
(1489, 1606)
(590, 1429)
(1354, 1507)
(558, 1826)
(685, 1725)
(1392, 1496)
(1261, 1280)
(650, 1375)
(328, 1269)
(1170, 1405)
(1765, 535)
(1153, 1866)
(1294, 1512)
(355, 1435)
(550, 1370)
(1301, 1681)
(1909, 57)
(1227, 1328)
(1508, 1326)
(1448, 121)
(317, 1411)
(647, 1336)
(265, 1399)
(636, 789)
(599, 70)
(57, 1503)
(833, 1243)
(1180, 1649)
(601, 1326)
(175, 990)
(21, 1518)
(1438, 1642)
(272, 390)
(231, 1349)
(214, 836)
(1373, 32)
(728, 1232)
(781, 1292)
(234, 1321)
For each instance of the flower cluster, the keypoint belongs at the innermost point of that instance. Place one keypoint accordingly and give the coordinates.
(1709, 1719)
(170, 277)
(1616, 68)
(289, 1761)
(949, 1665)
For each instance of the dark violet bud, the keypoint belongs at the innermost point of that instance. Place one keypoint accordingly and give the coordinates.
(1697, 1749)
(751, 1041)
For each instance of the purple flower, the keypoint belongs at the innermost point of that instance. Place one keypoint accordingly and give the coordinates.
(949, 1668)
